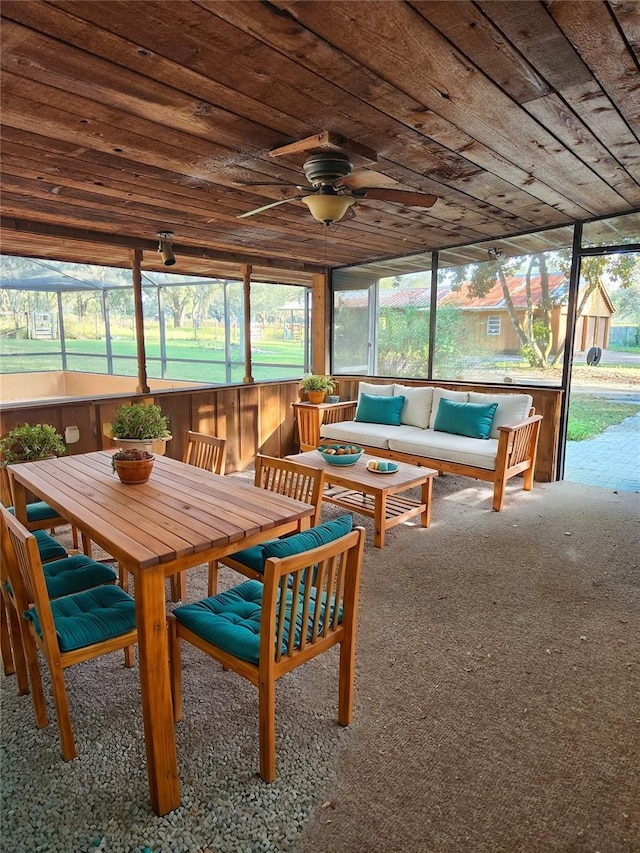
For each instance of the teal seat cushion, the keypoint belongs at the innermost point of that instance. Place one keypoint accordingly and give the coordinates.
(231, 619)
(256, 556)
(90, 617)
(471, 419)
(48, 547)
(75, 574)
(374, 409)
(38, 511)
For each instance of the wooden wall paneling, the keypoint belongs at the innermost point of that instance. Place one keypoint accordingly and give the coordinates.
(288, 443)
(271, 412)
(105, 413)
(248, 423)
(177, 407)
(204, 414)
(83, 417)
(229, 425)
(10, 418)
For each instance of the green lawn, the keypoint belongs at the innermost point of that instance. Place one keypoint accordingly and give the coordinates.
(270, 359)
(589, 415)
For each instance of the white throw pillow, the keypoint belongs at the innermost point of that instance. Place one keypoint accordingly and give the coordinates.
(512, 408)
(376, 390)
(417, 405)
(439, 394)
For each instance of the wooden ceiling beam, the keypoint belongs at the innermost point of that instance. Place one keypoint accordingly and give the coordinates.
(45, 229)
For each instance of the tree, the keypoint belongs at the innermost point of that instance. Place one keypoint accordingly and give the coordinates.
(178, 300)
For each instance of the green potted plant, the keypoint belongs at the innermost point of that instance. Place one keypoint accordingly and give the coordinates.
(140, 425)
(133, 465)
(28, 443)
(317, 387)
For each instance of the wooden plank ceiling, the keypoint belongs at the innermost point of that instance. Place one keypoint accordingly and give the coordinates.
(120, 119)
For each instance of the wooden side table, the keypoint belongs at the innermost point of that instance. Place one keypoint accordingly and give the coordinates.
(309, 418)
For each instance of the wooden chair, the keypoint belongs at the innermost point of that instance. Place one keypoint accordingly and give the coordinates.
(203, 451)
(49, 549)
(284, 477)
(68, 630)
(64, 575)
(247, 628)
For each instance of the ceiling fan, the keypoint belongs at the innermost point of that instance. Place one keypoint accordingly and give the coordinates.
(332, 188)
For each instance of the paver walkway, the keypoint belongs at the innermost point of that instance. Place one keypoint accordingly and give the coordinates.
(611, 459)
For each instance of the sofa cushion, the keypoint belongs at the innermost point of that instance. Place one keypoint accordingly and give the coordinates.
(375, 409)
(445, 394)
(350, 432)
(471, 419)
(417, 405)
(512, 408)
(375, 388)
(476, 452)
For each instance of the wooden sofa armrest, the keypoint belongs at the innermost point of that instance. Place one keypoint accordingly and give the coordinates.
(518, 443)
(520, 425)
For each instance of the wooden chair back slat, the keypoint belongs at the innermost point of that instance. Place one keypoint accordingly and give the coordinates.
(292, 479)
(205, 451)
(321, 576)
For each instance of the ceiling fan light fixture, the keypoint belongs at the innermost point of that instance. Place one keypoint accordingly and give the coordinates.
(328, 208)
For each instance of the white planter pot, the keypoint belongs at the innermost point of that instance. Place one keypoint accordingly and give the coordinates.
(157, 446)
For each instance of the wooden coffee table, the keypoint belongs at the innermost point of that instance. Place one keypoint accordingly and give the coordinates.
(378, 496)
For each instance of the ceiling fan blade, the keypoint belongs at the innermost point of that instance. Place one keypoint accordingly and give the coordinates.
(411, 199)
(268, 206)
(366, 179)
(261, 184)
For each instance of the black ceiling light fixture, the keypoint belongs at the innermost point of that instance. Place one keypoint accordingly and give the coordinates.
(165, 248)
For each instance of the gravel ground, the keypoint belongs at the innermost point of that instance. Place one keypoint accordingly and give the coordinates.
(100, 801)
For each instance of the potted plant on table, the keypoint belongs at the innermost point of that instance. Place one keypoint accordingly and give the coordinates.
(133, 465)
(139, 426)
(317, 387)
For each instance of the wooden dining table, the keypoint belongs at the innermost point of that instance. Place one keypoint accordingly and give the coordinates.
(182, 517)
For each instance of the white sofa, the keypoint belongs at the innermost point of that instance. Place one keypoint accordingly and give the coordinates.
(510, 448)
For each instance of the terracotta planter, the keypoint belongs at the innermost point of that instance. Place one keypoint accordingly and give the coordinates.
(135, 471)
(316, 397)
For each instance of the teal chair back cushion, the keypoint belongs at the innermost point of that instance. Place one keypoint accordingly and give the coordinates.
(256, 556)
(75, 574)
(48, 547)
(38, 511)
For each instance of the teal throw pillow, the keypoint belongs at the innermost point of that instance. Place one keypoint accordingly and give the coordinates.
(471, 419)
(379, 410)
(308, 539)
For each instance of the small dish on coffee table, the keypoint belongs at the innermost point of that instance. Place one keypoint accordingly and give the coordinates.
(373, 465)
